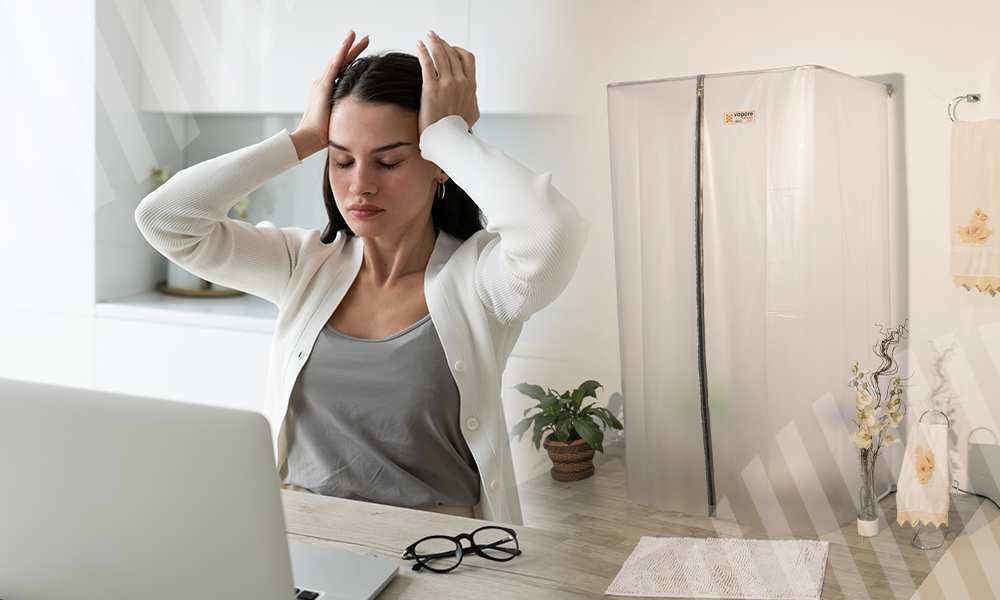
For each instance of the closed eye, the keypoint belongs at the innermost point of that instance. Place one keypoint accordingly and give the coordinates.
(386, 166)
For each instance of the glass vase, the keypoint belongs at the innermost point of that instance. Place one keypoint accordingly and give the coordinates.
(867, 492)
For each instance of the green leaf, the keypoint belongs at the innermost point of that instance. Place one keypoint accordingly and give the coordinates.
(519, 429)
(589, 388)
(542, 424)
(549, 402)
(577, 397)
(536, 438)
(589, 431)
(609, 418)
(563, 427)
(531, 390)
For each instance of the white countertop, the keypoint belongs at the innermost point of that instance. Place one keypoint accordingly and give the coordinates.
(244, 313)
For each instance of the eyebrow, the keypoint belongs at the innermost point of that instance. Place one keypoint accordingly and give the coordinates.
(391, 146)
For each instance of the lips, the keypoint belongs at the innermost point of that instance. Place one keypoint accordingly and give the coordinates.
(363, 211)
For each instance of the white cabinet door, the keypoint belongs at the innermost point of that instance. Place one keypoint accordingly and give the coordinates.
(260, 56)
(221, 367)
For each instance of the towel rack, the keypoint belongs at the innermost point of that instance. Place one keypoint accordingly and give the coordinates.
(944, 533)
(953, 107)
(930, 410)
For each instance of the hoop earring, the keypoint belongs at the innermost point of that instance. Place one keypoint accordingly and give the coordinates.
(441, 191)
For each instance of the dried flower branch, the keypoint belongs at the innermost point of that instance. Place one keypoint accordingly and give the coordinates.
(878, 410)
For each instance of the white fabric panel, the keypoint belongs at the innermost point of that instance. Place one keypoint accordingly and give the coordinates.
(796, 277)
(796, 247)
(653, 130)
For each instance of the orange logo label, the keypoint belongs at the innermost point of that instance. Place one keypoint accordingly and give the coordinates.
(742, 116)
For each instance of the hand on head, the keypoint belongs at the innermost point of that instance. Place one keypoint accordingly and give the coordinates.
(312, 134)
(449, 86)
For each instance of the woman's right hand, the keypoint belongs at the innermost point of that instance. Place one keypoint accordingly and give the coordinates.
(313, 132)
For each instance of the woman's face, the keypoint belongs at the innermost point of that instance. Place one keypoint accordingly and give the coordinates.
(381, 183)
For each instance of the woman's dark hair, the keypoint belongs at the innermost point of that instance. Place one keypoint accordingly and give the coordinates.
(395, 78)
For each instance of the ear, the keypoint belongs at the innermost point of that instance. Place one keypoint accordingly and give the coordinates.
(442, 177)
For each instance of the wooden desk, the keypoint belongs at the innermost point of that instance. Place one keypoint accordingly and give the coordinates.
(550, 566)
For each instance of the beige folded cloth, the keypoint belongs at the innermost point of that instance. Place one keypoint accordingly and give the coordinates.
(975, 205)
(922, 493)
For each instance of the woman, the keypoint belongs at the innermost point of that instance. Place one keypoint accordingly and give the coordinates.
(394, 326)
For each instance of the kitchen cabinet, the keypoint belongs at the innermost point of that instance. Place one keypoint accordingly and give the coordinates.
(208, 351)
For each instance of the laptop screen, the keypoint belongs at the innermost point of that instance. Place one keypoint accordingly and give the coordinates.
(112, 496)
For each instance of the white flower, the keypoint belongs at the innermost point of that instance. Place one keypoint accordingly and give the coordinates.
(867, 420)
(892, 411)
(864, 400)
(890, 439)
(862, 438)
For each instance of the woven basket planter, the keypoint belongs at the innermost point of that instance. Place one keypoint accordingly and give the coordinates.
(571, 461)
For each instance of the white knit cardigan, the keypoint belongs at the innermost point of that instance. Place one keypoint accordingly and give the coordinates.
(479, 292)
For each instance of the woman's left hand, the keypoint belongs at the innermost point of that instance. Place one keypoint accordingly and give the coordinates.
(449, 87)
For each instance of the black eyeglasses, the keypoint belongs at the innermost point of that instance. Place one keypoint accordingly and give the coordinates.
(441, 553)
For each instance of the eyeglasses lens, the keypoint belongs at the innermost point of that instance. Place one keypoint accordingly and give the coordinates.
(438, 553)
(495, 543)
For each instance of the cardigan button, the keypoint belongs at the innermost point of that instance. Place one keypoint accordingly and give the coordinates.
(472, 424)
(494, 485)
(460, 366)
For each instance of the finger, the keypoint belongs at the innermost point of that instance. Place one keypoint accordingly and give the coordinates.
(441, 59)
(356, 50)
(426, 64)
(334, 65)
(468, 63)
(454, 60)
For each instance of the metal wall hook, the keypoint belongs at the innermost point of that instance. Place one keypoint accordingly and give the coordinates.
(953, 105)
(930, 410)
(968, 440)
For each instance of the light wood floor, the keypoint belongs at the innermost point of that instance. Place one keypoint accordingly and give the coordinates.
(886, 566)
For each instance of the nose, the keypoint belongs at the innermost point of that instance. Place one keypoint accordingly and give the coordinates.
(363, 181)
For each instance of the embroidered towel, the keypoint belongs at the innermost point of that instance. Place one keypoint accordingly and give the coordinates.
(922, 494)
(975, 205)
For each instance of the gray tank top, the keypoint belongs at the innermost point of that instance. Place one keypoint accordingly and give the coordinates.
(378, 420)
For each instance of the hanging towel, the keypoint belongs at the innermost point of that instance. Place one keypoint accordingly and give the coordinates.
(924, 480)
(975, 205)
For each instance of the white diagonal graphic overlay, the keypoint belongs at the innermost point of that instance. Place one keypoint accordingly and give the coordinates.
(105, 193)
(725, 523)
(916, 394)
(821, 514)
(122, 114)
(207, 51)
(765, 500)
(156, 65)
(837, 435)
(971, 403)
(253, 27)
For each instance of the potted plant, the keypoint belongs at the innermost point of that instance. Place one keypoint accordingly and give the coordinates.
(574, 433)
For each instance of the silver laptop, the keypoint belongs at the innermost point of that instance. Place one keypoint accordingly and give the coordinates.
(105, 496)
